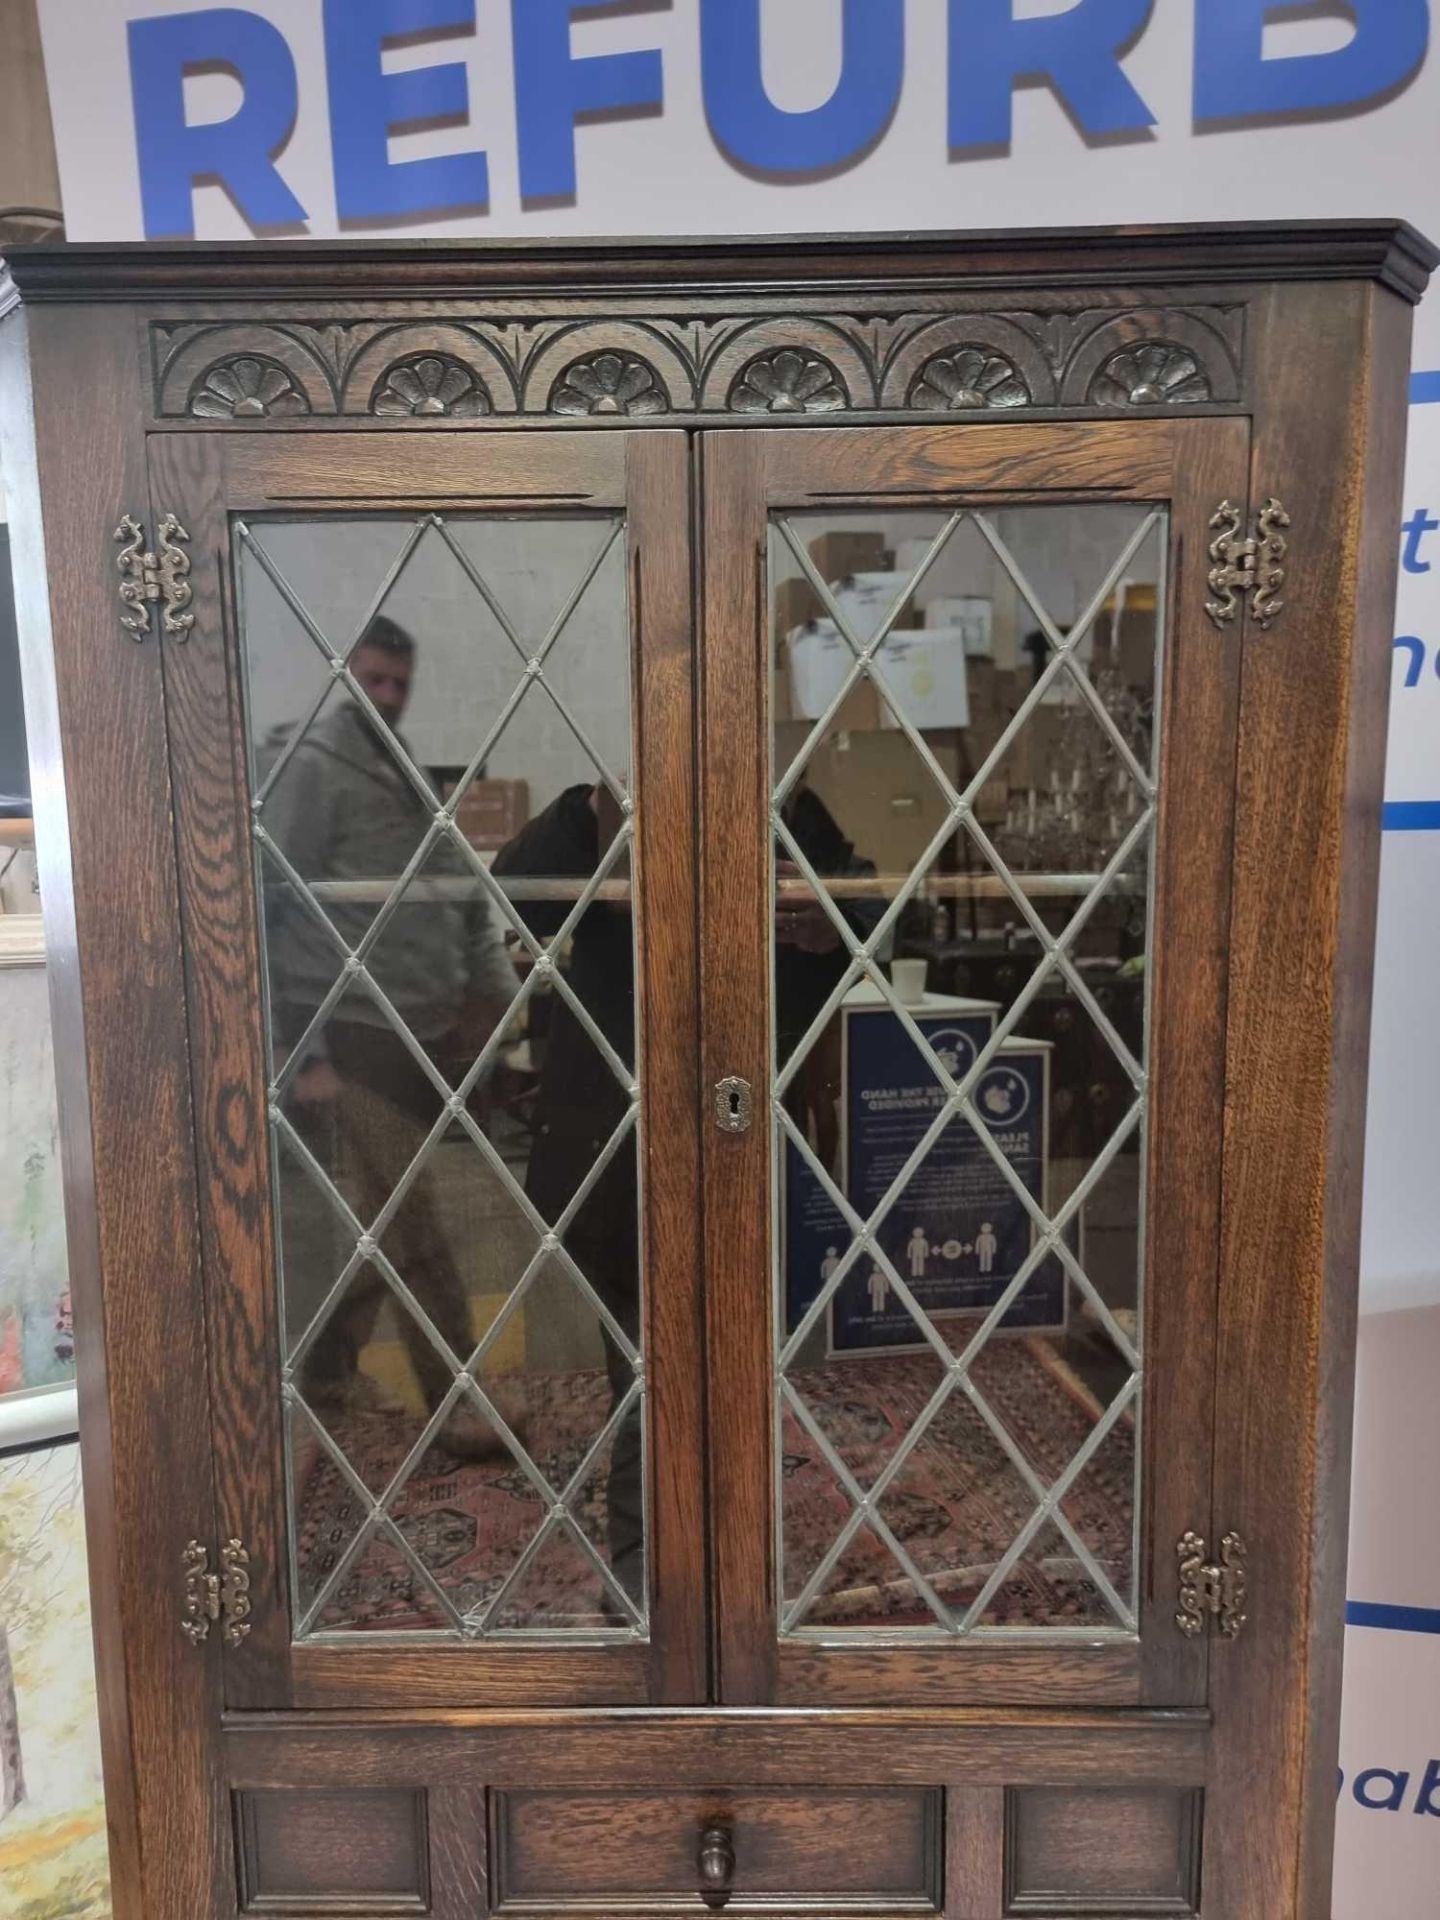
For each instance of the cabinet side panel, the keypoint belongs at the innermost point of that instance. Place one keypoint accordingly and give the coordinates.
(52, 846)
(105, 840)
(1329, 422)
(1389, 324)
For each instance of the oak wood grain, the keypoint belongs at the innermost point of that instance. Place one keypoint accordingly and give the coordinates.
(742, 1747)
(459, 1844)
(1312, 722)
(878, 1845)
(227, 1055)
(975, 1853)
(734, 951)
(663, 668)
(107, 865)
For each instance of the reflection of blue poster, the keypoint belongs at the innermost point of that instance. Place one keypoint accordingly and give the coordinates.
(958, 1234)
(815, 1236)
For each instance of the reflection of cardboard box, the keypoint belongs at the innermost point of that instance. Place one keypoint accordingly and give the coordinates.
(1030, 760)
(820, 660)
(865, 600)
(881, 795)
(925, 670)
(492, 812)
(981, 680)
(782, 707)
(838, 554)
(1131, 651)
(796, 601)
(973, 617)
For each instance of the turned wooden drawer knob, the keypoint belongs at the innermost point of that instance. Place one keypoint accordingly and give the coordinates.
(717, 1865)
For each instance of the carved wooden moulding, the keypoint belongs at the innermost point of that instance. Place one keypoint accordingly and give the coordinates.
(583, 369)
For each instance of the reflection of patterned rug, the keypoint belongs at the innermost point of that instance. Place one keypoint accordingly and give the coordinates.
(467, 1522)
(956, 1503)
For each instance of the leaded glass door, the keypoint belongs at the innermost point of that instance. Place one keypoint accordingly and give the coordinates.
(431, 740)
(966, 760)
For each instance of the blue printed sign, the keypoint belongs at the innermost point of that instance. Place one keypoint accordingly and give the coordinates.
(815, 1232)
(959, 1233)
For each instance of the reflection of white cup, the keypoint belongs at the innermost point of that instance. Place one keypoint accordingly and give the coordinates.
(908, 979)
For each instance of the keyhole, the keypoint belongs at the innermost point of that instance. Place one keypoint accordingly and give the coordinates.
(734, 1103)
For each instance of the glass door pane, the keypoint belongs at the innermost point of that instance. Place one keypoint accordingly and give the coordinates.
(962, 1273)
(439, 729)
(964, 718)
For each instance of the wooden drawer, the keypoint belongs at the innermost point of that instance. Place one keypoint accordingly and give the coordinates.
(870, 1847)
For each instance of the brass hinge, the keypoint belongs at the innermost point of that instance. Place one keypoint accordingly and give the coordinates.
(1253, 567)
(210, 1597)
(1214, 1591)
(146, 578)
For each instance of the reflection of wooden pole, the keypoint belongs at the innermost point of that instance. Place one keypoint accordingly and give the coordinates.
(789, 888)
(373, 893)
(958, 886)
(17, 833)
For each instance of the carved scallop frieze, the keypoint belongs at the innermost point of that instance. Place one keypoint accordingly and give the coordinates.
(788, 381)
(586, 367)
(429, 385)
(609, 383)
(969, 377)
(1155, 373)
(248, 386)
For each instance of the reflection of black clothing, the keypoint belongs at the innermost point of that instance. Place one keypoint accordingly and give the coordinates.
(805, 981)
(579, 1105)
(580, 1101)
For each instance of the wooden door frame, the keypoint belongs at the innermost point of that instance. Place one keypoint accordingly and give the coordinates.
(1190, 465)
(104, 834)
(205, 479)
(1329, 436)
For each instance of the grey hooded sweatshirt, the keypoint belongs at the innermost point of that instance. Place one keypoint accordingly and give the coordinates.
(343, 811)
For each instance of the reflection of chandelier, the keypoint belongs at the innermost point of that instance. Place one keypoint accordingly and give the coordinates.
(1088, 799)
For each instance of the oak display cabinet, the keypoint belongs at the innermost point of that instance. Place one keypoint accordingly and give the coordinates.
(711, 909)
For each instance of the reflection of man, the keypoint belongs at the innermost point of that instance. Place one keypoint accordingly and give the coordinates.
(342, 810)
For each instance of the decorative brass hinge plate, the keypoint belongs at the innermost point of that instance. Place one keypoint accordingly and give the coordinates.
(211, 1597)
(146, 577)
(1253, 568)
(1216, 1592)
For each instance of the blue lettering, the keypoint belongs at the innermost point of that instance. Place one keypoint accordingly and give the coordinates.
(367, 105)
(1393, 1799)
(1426, 1800)
(752, 130)
(1415, 530)
(1234, 80)
(238, 153)
(1076, 52)
(1417, 657)
(553, 89)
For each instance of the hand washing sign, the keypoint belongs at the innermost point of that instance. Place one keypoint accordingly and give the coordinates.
(958, 1232)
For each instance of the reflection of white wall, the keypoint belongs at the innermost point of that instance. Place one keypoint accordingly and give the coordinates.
(1387, 1850)
(466, 668)
(1399, 1260)
(1065, 554)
